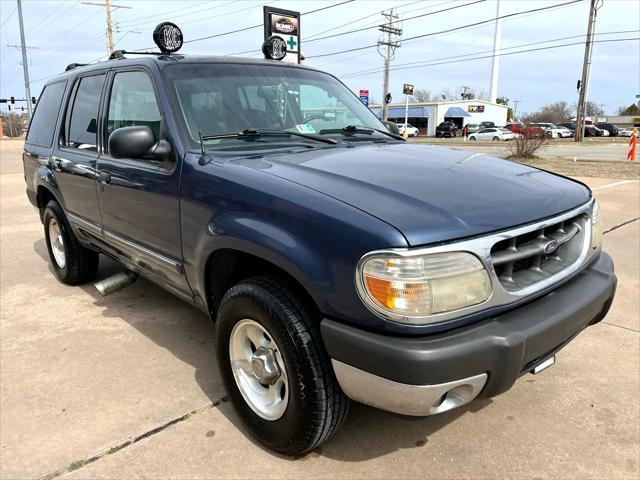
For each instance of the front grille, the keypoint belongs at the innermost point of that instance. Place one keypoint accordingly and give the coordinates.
(524, 260)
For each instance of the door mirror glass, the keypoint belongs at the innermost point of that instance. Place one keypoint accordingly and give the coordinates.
(132, 142)
(392, 127)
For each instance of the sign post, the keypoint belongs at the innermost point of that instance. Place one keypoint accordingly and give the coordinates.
(284, 24)
(407, 89)
(364, 97)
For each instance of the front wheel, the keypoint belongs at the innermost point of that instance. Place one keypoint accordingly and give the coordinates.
(275, 369)
(472, 139)
(72, 263)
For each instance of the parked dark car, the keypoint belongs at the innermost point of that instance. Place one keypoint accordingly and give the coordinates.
(338, 261)
(487, 124)
(568, 125)
(446, 129)
(610, 127)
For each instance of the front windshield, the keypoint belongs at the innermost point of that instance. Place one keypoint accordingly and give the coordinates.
(218, 99)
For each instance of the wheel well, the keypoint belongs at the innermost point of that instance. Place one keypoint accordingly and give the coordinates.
(43, 197)
(227, 267)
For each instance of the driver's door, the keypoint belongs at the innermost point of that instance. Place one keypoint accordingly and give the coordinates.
(139, 199)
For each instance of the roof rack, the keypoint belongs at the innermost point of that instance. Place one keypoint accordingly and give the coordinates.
(71, 66)
(121, 54)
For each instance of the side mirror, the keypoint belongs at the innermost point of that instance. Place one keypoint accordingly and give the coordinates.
(392, 127)
(137, 142)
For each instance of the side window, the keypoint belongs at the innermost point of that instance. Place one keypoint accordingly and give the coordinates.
(44, 118)
(133, 102)
(81, 120)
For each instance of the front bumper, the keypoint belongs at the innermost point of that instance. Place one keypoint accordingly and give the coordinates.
(432, 374)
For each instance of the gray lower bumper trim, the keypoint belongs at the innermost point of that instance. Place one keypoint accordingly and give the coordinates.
(416, 400)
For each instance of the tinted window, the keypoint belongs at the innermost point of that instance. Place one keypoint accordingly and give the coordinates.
(46, 115)
(133, 102)
(81, 127)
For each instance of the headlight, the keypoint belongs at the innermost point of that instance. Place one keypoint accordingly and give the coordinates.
(410, 288)
(596, 226)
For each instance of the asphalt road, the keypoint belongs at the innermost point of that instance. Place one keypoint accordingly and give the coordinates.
(126, 386)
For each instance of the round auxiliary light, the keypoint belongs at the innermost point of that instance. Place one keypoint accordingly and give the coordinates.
(168, 37)
(274, 48)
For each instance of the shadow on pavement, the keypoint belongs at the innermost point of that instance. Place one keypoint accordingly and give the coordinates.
(188, 334)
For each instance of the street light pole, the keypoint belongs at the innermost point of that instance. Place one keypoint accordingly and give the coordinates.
(25, 64)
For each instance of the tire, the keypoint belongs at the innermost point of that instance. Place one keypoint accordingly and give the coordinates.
(496, 139)
(74, 264)
(472, 139)
(315, 406)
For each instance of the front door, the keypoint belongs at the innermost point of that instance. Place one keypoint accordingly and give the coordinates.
(139, 198)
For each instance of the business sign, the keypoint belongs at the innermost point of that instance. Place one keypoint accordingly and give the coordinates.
(475, 108)
(407, 89)
(283, 24)
(364, 97)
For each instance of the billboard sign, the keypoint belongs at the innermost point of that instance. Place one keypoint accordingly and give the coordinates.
(364, 97)
(284, 24)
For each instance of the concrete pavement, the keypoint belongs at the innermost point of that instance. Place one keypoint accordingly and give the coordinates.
(126, 386)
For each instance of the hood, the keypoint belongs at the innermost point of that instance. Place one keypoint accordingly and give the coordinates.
(430, 194)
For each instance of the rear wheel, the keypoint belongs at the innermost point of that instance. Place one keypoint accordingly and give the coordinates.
(496, 139)
(275, 369)
(72, 263)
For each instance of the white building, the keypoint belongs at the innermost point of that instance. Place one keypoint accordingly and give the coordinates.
(426, 116)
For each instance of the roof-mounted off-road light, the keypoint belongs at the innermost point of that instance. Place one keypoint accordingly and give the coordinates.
(274, 48)
(168, 37)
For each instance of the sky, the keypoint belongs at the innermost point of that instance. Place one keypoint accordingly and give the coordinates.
(65, 31)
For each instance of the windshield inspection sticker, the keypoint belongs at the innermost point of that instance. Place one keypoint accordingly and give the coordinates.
(305, 128)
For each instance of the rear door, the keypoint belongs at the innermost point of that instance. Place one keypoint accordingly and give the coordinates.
(74, 161)
(139, 199)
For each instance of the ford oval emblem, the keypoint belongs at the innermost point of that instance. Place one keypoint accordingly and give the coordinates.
(550, 247)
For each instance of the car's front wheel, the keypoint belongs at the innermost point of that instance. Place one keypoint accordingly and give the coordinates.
(72, 263)
(275, 369)
(472, 139)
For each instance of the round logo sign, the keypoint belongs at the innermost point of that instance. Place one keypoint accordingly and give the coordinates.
(274, 48)
(550, 247)
(168, 37)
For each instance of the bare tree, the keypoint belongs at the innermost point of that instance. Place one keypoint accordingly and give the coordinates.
(591, 109)
(445, 94)
(420, 95)
(555, 112)
(632, 109)
(526, 145)
(12, 124)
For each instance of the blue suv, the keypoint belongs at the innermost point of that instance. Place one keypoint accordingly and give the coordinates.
(338, 261)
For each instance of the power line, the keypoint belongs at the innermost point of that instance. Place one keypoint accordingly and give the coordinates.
(137, 20)
(399, 66)
(260, 24)
(362, 29)
(9, 16)
(501, 55)
(450, 29)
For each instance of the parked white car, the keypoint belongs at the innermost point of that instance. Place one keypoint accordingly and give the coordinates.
(494, 134)
(625, 132)
(411, 130)
(554, 131)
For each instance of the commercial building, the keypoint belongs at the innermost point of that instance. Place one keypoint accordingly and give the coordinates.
(427, 115)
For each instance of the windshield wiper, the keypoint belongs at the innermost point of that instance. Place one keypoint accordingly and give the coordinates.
(351, 129)
(254, 133)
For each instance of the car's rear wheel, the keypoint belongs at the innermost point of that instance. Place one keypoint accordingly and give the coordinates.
(275, 369)
(496, 139)
(72, 263)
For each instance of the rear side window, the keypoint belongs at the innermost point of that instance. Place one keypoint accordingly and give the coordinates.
(81, 121)
(133, 102)
(44, 119)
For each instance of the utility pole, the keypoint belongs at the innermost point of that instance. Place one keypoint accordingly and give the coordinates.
(586, 67)
(495, 64)
(25, 63)
(515, 109)
(391, 42)
(107, 5)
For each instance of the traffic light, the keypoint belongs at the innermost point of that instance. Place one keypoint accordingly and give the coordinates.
(13, 100)
(9, 107)
(33, 100)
